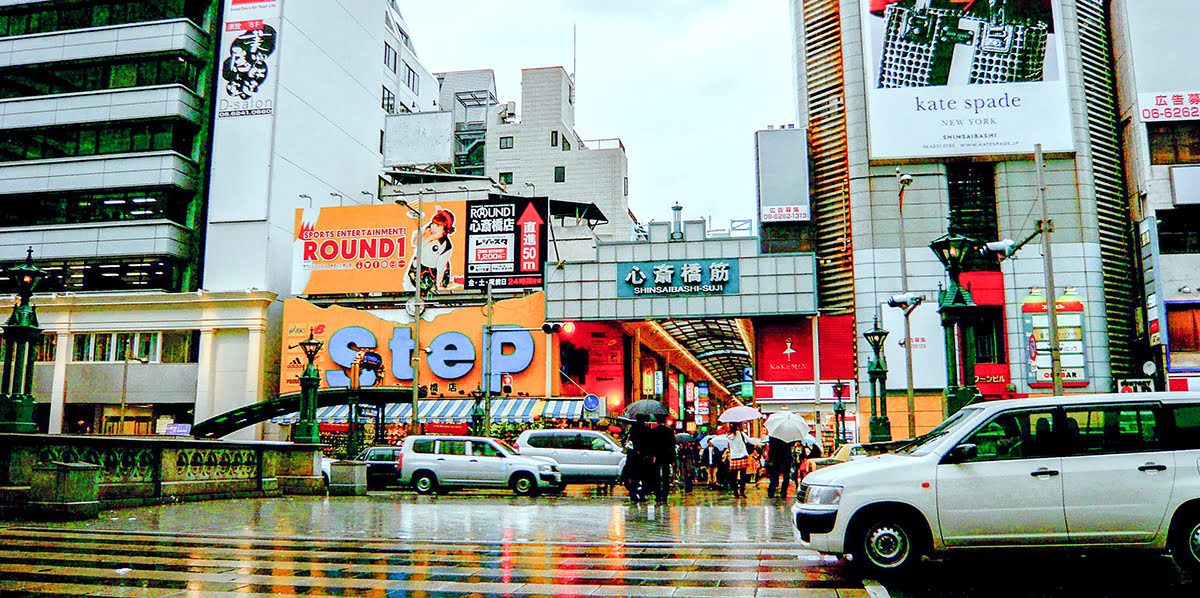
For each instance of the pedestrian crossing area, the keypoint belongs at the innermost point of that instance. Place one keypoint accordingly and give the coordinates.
(38, 561)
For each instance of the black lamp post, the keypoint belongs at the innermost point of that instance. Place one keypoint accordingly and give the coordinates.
(881, 427)
(957, 309)
(21, 338)
(306, 430)
(839, 413)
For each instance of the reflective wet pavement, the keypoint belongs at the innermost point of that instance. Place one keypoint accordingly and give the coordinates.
(399, 544)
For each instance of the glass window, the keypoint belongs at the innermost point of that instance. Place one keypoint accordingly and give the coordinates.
(123, 75)
(388, 100)
(485, 449)
(1179, 230)
(47, 348)
(1114, 429)
(1187, 427)
(125, 346)
(177, 346)
(81, 349)
(566, 145)
(539, 440)
(560, 174)
(423, 446)
(1014, 435)
(506, 178)
(506, 143)
(452, 447)
(148, 346)
(598, 444)
(102, 347)
(553, 138)
(1174, 142)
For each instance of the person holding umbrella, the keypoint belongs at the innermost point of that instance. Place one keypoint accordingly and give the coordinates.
(784, 429)
(739, 457)
(664, 457)
(640, 462)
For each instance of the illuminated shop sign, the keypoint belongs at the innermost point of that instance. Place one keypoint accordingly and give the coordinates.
(677, 277)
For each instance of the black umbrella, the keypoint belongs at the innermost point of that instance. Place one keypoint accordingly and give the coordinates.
(650, 407)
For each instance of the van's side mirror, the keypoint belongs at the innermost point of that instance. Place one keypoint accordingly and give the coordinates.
(961, 453)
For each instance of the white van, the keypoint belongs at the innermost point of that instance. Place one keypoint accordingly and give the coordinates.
(1112, 470)
(583, 456)
(438, 463)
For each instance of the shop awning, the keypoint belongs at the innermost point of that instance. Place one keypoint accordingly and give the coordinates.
(563, 409)
(504, 409)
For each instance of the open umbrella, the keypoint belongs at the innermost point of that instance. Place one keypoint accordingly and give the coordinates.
(787, 426)
(650, 407)
(683, 437)
(740, 413)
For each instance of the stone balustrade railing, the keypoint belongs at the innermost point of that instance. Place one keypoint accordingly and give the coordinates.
(148, 470)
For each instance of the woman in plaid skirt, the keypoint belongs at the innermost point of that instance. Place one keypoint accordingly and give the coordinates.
(739, 457)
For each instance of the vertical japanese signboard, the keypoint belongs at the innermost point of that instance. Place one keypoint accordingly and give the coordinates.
(1071, 331)
(245, 111)
(506, 242)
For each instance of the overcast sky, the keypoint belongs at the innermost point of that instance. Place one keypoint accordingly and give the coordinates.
(684, 84)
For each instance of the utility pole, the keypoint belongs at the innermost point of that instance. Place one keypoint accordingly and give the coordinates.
(418, 313)
(1046, 226)
(904, 180)
(487, 376)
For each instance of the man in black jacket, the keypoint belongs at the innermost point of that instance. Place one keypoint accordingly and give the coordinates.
(779, 466)
(641, 459)
(664, 457)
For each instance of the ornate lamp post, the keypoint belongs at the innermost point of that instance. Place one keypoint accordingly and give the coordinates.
(21, 338)
(881, 427)
(839, 413)
(306, 430)
(956, 306)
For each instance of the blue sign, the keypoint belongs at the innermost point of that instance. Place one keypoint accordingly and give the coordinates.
(747, 374)
(675, 278)
(178, 429)
(702, 390)
(591, 402)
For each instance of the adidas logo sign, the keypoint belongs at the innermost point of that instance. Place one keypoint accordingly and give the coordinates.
(295, 364)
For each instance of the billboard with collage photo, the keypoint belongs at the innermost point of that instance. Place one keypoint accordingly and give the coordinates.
(964, 77)
(372, 249)
(464, 244)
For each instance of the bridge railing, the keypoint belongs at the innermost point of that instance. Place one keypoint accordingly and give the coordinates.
(137, 471)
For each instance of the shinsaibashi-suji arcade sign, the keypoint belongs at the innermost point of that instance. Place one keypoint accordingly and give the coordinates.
(677, 278)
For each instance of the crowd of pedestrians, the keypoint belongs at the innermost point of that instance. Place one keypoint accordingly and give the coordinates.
(728, 460)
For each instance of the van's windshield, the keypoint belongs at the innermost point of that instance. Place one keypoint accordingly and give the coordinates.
(921, 444)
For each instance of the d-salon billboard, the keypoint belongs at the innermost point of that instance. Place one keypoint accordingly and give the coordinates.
(960, 78)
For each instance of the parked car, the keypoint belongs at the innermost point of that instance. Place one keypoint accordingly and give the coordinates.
(1113, 470)
(382, 466)
(850, 452)
(583, 456)
(437, 463)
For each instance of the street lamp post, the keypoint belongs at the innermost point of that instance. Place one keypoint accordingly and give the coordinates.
(21, 338)
(307, 431)
(881, 427)
(956, 306)
(125, 381)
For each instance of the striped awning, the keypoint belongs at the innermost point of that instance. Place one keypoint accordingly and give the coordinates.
(506, 409)
(510, 409)
(563, 409)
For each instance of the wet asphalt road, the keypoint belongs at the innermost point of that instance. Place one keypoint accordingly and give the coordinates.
(490, 543)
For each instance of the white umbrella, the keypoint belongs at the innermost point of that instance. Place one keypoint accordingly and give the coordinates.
(741, 413)
(788, 426)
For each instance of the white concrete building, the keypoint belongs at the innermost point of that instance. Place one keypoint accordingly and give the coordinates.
(156, 174)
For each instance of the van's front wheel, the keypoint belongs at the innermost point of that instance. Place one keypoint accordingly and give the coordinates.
(887, 546)
(1185, 548)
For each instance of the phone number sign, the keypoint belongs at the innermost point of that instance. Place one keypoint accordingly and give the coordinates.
(1175, 105)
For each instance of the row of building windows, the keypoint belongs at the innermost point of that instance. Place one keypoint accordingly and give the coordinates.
(48, 17)
(41, 143)
(78, 207)
(103, 274)
(169, 346)
(507, 142)
(97, 75)
(560, 176)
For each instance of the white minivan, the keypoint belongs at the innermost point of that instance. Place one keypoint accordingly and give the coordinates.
(1110, 470)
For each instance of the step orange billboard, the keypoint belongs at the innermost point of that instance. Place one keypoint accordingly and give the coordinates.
(456, 351)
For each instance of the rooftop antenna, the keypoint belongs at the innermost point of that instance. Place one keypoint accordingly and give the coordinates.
(574, 50)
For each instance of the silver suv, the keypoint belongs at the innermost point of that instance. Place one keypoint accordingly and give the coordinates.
(583, 456)
(436, 463)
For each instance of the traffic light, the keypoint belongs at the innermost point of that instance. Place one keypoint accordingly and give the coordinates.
(556, 327)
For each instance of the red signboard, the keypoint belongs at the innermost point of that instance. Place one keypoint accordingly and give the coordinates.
(785, 350)
(992, 379)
